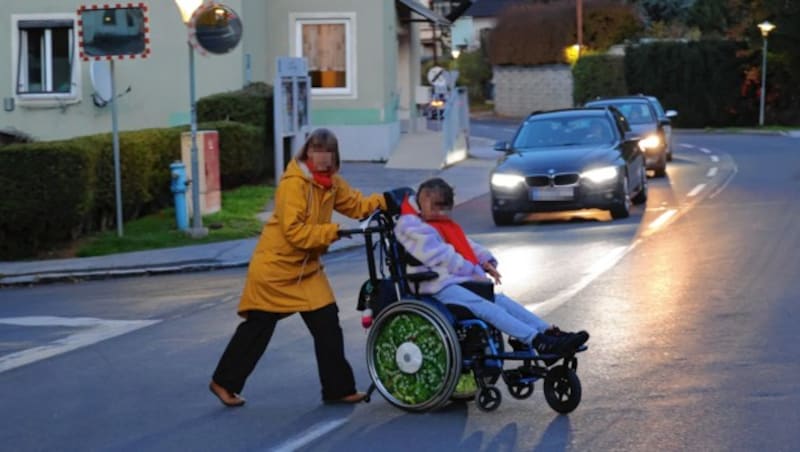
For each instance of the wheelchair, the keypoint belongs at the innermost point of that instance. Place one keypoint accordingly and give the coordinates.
(418, 347)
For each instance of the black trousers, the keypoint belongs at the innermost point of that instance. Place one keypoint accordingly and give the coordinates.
(252, 337)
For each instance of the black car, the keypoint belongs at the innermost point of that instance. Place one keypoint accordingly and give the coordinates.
(644, 120)
(578, 158)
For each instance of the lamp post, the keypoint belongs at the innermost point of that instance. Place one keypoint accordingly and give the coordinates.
(765, 28)
(187, 8)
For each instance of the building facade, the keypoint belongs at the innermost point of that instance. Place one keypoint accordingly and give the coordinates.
(363, 58)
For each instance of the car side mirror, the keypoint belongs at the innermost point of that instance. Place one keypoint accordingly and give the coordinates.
(671, 113)
(502, 146)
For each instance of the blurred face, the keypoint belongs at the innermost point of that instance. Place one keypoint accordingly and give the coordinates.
(321, 158)
(433, 206)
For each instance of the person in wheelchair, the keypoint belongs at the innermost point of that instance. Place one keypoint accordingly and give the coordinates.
(440, 245)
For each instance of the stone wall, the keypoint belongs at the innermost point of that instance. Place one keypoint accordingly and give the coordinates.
(518, 91)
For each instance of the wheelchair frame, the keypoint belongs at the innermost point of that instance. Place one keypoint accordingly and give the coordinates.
(468, 344)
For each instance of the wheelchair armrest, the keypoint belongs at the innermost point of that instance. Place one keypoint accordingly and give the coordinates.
(421, 276)
(484, 289)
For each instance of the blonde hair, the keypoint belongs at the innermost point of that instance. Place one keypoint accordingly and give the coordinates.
(323, 138)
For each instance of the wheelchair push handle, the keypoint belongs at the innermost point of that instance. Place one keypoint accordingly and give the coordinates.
(342, 233)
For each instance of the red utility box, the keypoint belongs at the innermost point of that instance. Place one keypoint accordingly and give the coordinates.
(208, 162)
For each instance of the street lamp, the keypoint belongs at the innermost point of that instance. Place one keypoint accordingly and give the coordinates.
(765, 28)
(187, 8)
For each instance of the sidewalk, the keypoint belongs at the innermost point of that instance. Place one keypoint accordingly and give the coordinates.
(470, 178)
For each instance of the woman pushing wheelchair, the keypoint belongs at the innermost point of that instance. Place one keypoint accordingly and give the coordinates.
(286, 274)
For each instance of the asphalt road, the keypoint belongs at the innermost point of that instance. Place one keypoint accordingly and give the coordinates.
(691, 303)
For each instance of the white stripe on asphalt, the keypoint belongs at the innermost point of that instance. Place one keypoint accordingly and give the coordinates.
(506, 129)
(663, 218)
(92, 331)
(705, 151)
(712, 172)
(683, 145)
(696, 190)
(599, 267)
(308, 436)
(714, 158)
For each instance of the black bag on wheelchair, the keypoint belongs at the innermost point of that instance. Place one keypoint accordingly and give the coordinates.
(376, 296)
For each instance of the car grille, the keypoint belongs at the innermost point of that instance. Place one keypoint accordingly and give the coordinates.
(555, 180)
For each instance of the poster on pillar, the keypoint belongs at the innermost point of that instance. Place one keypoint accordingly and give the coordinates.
(208, 165)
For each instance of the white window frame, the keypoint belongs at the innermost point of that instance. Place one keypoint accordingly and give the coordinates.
(297, 20)
(48, 99)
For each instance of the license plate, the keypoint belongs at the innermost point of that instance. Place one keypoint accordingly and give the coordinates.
(553, 194)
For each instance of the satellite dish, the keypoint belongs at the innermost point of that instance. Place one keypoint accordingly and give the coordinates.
(100, 71)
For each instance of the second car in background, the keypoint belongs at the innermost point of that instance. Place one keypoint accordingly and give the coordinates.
(643, 119)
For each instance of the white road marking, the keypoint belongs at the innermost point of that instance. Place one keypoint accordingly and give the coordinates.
(725, 184)
(705, 151)
(599, 267)
(507, 129)
(712, 172)
(683, 145)
(663, 218)
(696, 190)
(714, 158)
(305, 437)
(93, 331)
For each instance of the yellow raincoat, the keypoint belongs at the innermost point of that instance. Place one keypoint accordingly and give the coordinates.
(286, 273)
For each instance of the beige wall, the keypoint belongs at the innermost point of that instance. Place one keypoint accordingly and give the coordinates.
(269, 34)
(159, 84)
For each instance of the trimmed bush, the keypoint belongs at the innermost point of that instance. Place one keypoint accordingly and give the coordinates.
(252, 105)
(48, 192)
(532, 34)
(57, 191)
(699, 79)
(598, 75)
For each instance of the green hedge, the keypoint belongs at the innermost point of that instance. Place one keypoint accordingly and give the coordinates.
(253, 105)
(57, 191)
(48, 193)
(598, 75)
(700, 79)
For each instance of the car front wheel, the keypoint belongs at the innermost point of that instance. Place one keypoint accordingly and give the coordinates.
(622, 205)
(503, 218)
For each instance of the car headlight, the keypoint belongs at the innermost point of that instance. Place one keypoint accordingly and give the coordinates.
(650, 142)
(599, 175)
(501, 180)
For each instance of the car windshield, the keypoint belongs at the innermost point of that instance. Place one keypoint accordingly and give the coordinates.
(634, 112)
(555, 132)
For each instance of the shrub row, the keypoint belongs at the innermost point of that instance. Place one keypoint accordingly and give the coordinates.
(253, 105)
(598, 75)
(59, 190)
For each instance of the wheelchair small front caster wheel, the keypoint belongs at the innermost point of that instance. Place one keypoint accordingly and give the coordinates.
(562, 389)
(520, 391)
(489, 399)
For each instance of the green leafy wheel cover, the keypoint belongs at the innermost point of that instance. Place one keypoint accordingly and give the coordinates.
(421, 327)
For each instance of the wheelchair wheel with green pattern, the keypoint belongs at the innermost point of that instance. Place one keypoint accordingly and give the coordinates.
(413, 356)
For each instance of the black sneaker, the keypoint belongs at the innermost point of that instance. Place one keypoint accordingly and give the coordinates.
(549, 345)
(517, 345)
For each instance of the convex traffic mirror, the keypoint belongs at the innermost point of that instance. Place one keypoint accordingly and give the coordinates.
(217, 28)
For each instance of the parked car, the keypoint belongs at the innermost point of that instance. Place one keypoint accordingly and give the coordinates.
(577, 158)
(643, 119)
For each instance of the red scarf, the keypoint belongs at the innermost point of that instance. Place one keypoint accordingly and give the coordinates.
(324, 178)
(450, 231)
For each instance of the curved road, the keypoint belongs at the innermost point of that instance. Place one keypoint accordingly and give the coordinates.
(691, 303)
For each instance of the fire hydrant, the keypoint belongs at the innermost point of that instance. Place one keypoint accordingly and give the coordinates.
(178, 187)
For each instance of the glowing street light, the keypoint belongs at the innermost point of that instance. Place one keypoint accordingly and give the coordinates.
(765, 28)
